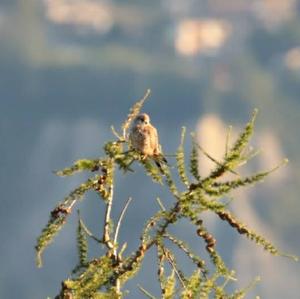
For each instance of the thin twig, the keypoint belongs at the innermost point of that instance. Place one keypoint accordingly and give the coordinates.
(160, 260)
(213, 159)
(253, 154)
(146, 292)
(88, 232)
(160, 204)
(116, 133)
(123, 248)
(167, 255)
(186, 250)
(228, 279)
(72, 204)
(228, 135)
(120, 219)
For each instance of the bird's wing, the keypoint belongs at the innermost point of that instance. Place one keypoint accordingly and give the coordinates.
(153, 139)
(130, 137)
(133, 138)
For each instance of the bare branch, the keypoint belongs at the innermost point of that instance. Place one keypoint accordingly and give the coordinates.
(120, 219)
(106, 232)
(89, 233)
(160, 204)
(145, 292)
(171, 261)
(116, 133)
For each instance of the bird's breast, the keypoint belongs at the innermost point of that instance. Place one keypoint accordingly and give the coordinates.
(142, 142)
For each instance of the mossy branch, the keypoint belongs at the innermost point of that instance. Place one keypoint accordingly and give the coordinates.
(180, 158)
(47, 235)
(194, 164)
(82, 245)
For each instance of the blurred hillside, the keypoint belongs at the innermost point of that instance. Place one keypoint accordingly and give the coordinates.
(71, 68)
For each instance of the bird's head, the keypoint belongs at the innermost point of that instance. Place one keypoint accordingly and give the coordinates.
(142, 119)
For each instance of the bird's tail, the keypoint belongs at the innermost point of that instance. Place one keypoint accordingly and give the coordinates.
(160, 161)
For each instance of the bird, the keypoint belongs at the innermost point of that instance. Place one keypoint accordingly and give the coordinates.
(144, 139)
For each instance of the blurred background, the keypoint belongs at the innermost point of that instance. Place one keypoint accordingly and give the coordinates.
(71, 68)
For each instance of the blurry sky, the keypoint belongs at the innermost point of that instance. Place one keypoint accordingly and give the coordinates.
(71, 68)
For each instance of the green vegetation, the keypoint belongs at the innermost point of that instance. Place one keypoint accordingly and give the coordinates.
(106, 276)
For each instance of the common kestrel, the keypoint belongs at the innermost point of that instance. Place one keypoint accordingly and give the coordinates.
(144, 138)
